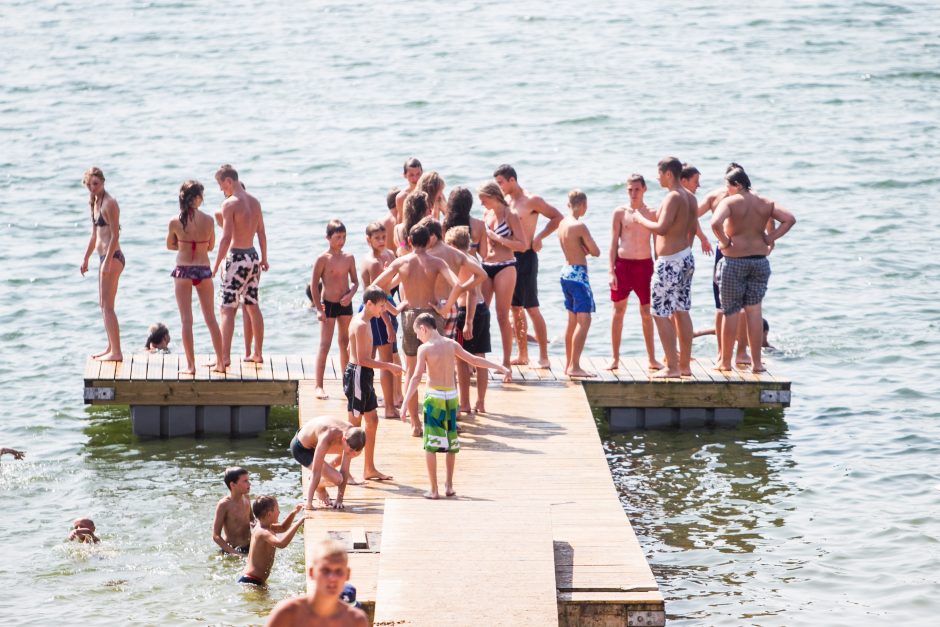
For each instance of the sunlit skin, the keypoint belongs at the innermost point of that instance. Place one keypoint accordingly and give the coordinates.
(323, 606)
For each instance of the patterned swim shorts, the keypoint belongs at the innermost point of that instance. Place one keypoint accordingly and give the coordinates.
(742, 281)
(672, 283)
(242, 274)
(440, 421)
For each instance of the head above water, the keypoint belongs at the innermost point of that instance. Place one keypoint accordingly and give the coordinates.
(264, 506)
(159, 336)
(83, 523)
(329, 568)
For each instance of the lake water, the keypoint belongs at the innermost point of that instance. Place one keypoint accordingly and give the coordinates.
(825, 515)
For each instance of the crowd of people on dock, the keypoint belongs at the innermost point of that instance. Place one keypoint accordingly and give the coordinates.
(432, 273)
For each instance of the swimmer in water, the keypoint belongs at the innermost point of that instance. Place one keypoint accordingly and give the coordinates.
(158, 340)
(83, 530)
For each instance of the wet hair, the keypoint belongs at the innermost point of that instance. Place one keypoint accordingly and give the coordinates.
(189, 192)
(458, 237)
(637, 178)
(263, 505)
(330, 550)
(688, 171)
(416, 207)
(766, 325)
(411, 162)
(433, 227)
(232, 475)
(426, 320)
(333, 227)
(390, 198)
(356, 438)
(577, 198)
(226, 171)
(373, 228)
(737, 176)
(419, 236)
(670, 164)
(158, 333)
(93, 171)
(732, 166)
(459, 204)
(491, 190)
(506, 171)
(374, 295)
(431, 184)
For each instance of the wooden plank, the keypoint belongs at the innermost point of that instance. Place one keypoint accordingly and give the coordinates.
(107, 370)
(241, 370)
(202, 366)
(92, 368)
(558, 367)
(155, 367)
(264, 371)
(310, 368)
(122, 369)
(634, 369)
(358, 537)
(295, 369)
(171, 367)
(702, 373)
(673, 393)
(139, 367)
(515, 547)
(596, 365)
(193, 392)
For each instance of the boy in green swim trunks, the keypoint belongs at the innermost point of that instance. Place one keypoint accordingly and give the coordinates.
(438, 354)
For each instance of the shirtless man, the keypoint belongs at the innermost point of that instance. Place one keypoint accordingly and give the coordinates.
(459, 264)
(315, 440)
(576, 244)
(418, 272)
(525, 298)
(411, 171)
(631, 270)
(671, 289)
(231, 528)
(329, 571)
(740, 224)
(358, 378)
(241, 221)
(689, 179)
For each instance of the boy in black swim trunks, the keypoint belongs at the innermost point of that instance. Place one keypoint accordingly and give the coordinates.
(358, 382)
(265, 539)
(231, 527)
(334, 281)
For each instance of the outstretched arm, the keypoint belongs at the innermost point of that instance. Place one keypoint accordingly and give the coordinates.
(554, 219)
(479, 362)
(285, 524)
(12, 451)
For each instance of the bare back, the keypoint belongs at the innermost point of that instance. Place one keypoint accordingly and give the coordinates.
(574, 239)
(681, 211)
(323, 427)
(245, 212)
(195, 240)
(360, 338)
(746, 225)
(439, 358)
(419, 273)
(454, 260)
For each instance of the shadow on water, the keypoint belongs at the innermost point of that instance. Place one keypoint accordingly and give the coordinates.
(700, 499)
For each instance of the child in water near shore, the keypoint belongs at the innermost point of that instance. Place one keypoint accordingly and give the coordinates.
(438, 354)
(159, 339)
(83, 530)
(265, 539)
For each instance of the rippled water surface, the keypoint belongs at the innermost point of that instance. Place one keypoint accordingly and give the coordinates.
(824, 515)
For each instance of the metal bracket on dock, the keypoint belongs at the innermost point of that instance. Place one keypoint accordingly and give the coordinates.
(775, 396)
(99, 394)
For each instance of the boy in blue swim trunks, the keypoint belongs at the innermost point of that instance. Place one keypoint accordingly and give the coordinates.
(576, 243)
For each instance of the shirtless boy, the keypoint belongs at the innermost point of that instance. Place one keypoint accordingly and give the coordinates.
(385, 326)
(358, 377)
(689, 179)
(315, 440)
(438, 354)
(411, 171)
(391, 218)
(631, 270)
(671, 289)
(265, 539)
(83, 530)
(418, 272)
(457, 261)
(329, 571)
(576, 243)
(740, 224)
(241, 221)
(525, 298)
(231, 528)
(337, 271)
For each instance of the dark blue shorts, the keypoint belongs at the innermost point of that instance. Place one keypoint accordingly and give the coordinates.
(577, 289)
(380, 332)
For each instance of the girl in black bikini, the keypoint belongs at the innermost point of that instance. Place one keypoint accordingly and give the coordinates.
(193, 235)
(105, 230)
(504, 236)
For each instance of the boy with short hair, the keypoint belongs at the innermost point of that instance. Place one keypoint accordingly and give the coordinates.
(384, 326)
(473, 323)
(391, 218)
(322, 436)
(337, 271)
(576, 243)
(265, 539)
(83, 530)
(631, 269)
(359, 376)
(329, 571)
(231, 528)
(438, 354)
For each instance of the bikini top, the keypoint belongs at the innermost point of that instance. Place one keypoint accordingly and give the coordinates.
(502, 229)
(100, 221)
(193, 242)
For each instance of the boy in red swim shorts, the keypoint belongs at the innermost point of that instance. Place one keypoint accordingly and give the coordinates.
(631, 270)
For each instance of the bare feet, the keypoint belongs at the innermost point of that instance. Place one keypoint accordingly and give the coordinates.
(544, 363)
(104, 352)
(212, 362)
(520, 361)
(432, 495)
(188, 371)
(758, 368)
(110, 357)
(258, 359)
(578, 372)
(743, 359)
(479, 408)
(449, 491)
(723, 368)
(654, 366)
(667, 373)
(374, 474)
(614, 364)
(416, 432)
(463, 410)
(392, 414)
(319, 393)
(685, 373)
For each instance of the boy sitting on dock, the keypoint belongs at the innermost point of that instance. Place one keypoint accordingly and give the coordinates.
(576, 243)
(83, 530)
(265, 539)
(337, 271)
(231, 528)
(359, 377)
(314, 441)
(329, 571)
(437, 354)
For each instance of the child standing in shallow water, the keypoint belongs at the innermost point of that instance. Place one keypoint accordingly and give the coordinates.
(576, 243)
(265, 539)
(337, 271)
(437, 354)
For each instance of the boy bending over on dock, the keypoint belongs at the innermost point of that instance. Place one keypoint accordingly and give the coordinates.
(359, 377)
(265, 539)
(316, 439)
(329, 571)
(576, 243)
(337, 271)
(437, 354)
(231, 529)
